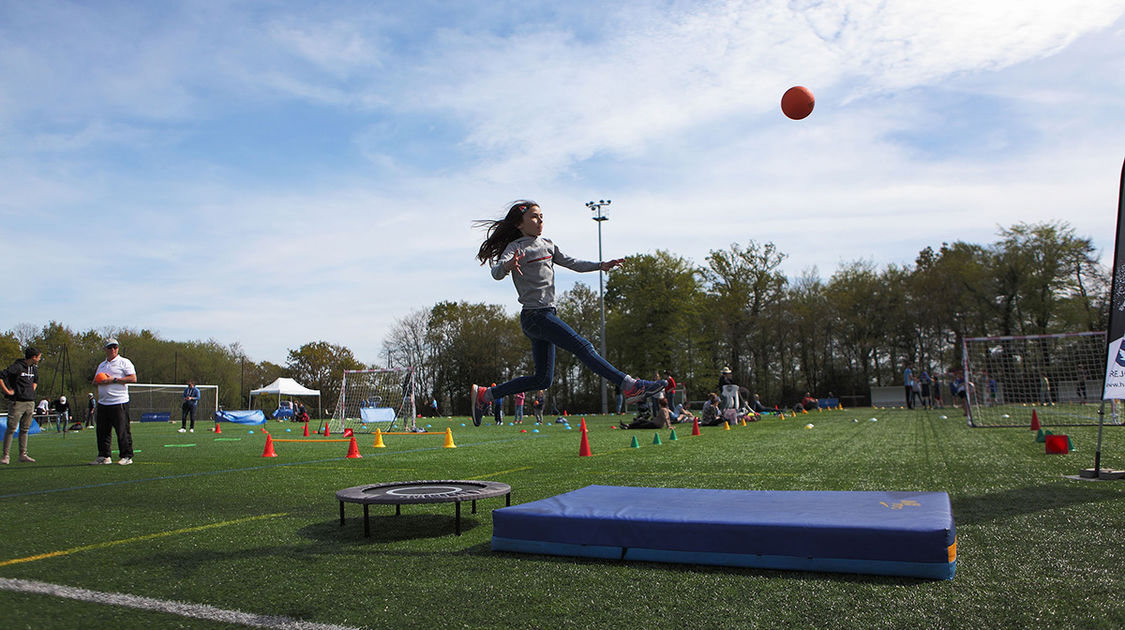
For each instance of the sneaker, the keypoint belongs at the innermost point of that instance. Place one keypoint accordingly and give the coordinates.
(181, 430)
(101, 460)
(478, 404)
(642, 389)
(124, 461)
(191, 430)
(25, 458)
(4, 460)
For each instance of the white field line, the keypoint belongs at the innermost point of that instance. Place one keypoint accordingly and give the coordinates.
(193, 611)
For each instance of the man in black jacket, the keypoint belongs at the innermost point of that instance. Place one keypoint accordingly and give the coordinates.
(18, 383)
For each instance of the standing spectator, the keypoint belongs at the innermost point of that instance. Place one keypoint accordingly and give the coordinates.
(91, 405)
(537, 406)
(498, 409)
(935, 391)
(63, 409)
(517, 403)
(908, 383)
(617, 396)
(19, 383)
(113, 405)
(926, 381)
(725, 378)
(191, 399)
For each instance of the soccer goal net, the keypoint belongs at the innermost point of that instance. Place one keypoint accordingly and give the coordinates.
(162, 403)
(380, 398)
(1057, 376)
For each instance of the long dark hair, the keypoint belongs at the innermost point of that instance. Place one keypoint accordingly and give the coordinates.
(502, 232)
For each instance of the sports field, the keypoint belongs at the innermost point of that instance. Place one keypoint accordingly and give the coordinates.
(216, 524)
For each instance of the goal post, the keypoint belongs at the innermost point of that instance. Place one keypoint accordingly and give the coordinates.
(149, 401)
(1059, 377)
(376, 398)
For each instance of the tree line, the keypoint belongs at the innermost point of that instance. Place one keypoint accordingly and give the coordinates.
(780, 336)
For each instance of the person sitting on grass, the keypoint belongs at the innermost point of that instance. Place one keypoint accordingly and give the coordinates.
(660, 420)
(808, 403)
(681, 414)
(711, 416)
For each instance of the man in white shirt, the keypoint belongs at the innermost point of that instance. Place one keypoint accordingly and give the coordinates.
(113, 405)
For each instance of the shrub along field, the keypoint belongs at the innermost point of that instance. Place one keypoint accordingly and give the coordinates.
(204, 519)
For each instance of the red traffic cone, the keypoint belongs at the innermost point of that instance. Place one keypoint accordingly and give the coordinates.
(353, 450)
(348, 432)
(1034, 421)
(268, 452)
(582, 424)
(306, 434)
(327, 432)
(695, 426)
(584, 447)
(218, 428)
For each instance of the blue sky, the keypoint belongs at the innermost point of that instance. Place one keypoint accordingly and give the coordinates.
(273, 173)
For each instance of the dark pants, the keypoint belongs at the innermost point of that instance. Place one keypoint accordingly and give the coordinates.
(188, 410)
(909, 397)
(545, 330)
(110, 418)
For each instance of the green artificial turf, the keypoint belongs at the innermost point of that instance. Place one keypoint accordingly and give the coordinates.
(218, 524)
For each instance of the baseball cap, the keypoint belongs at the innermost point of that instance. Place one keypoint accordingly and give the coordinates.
(112, 341)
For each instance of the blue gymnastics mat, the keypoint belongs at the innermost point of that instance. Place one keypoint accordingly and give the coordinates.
(883, 533)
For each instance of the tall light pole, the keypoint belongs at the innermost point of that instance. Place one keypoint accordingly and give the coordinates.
(596, 208)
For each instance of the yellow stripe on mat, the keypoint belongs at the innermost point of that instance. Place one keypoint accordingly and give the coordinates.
(112, 543)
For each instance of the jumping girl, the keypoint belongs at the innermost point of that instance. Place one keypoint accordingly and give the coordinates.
(515, 245)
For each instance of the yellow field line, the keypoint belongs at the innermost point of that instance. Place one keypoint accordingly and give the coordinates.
(502, 472)
(111, 543)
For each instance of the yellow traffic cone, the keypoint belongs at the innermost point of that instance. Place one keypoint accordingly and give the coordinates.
(379, 439)
(449, 439)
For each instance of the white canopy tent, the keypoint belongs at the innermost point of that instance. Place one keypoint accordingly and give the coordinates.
(287, 387)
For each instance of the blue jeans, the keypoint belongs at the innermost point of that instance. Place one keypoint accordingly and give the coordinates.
(545, 330)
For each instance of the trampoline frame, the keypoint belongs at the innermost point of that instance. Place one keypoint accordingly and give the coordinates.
(361, 495)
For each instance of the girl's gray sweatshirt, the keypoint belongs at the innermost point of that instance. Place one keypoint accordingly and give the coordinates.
(536, 286)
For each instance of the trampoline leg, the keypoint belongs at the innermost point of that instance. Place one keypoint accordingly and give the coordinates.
(457, 527)
(341, 513)
(508, 499)
(474, 506)
(366, 523)
(398, 509)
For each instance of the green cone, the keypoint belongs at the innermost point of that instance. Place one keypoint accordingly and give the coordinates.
(672, 437)
(635, 443)
(656, 439)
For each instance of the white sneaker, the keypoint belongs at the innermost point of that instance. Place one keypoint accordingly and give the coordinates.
(101, 460)
(192, 430)
(181, 430)
(125, 461)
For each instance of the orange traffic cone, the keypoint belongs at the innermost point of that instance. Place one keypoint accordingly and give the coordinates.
(353, 450)
(348, 432)
(448, 439)
(268, 452)
(582, 424)
(306, 429)
(695, 426)
(1034, 421)
(379, 439)
(327, 432)
(218, 428)
(584, 446)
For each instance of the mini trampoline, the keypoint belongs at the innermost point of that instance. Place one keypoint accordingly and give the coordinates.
(399, 493)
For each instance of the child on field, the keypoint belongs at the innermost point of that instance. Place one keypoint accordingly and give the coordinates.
(515, 245)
